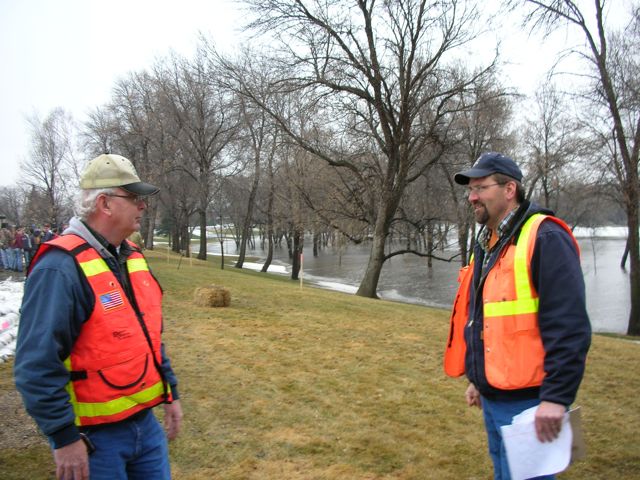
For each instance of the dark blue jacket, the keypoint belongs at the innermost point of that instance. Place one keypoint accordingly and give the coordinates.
(57, 301)
(564, 325)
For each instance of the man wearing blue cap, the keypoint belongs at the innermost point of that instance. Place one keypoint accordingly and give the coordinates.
(519, 326)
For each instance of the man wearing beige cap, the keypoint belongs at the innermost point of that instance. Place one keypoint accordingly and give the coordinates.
(90, 363)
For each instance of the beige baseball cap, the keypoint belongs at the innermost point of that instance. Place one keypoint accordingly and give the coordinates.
(109, 170)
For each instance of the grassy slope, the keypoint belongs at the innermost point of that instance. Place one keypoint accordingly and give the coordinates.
(291, 383)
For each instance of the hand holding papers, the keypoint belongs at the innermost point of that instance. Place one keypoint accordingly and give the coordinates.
(527, 456)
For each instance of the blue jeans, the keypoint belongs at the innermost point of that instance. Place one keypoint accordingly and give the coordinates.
(11, 258)
(497, 414)
(18, 253)
(130, 450)
(15, 259)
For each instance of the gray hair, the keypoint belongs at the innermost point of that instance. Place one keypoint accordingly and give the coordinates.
(86, 201)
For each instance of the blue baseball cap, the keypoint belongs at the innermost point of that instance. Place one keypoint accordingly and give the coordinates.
(488, 164)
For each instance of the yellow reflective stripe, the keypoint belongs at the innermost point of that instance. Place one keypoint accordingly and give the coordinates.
(118, 405)
(94, 267)
(513, 307)
(98, 265)
(70, 390)
(137, 265)
(520, 267)
(524, 302)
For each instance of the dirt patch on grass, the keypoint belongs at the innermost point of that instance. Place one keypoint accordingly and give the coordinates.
(18, 428)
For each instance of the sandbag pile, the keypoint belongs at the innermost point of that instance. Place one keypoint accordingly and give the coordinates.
(10, 300)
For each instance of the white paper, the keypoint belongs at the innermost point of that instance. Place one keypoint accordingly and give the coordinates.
(527, 456)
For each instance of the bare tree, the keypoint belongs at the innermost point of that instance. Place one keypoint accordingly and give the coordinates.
(205, 126)
(271, 186)
(294, 211)
(140, 130)
(179, 202)
(11, 205)
(130, 125)
(483, 124)
(99, 132)
(551, 145)
(372, 69)
(256, 128)
(613, 57)
(47, 168)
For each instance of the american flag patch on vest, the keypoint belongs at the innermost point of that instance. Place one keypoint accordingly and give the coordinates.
(111, 301)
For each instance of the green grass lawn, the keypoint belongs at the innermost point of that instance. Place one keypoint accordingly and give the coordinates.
(303, 383)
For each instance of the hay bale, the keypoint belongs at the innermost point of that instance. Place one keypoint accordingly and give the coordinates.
(212, 296)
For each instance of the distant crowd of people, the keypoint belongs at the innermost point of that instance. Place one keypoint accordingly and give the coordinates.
(18, 244)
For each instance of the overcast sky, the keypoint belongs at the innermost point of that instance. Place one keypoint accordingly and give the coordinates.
(69, 54)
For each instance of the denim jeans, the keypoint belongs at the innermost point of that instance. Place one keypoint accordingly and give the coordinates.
(11, 258)
(18, 252)
(497, 414)
(130, 450)
(27, 258)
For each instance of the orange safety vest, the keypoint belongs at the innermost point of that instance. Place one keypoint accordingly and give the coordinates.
(513, 350)
(114, 365)
(456, 346)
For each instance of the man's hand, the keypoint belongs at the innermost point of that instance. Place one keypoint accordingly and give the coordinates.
(172, 418)
(473, 396)
(72, 461)
(548, 420)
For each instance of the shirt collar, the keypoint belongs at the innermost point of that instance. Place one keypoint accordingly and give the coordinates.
(503, 227)
(113, 249)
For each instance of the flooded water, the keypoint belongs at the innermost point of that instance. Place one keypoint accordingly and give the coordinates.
(607, 285)
(407, 278)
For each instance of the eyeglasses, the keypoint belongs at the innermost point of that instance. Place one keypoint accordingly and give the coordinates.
(477, 189)
(134, 198)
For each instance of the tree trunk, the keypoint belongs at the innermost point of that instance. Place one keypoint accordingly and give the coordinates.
(430, 248)
(625, 255)
(175, 238)
(270, 199)
(298, 243)
(202, 254)
(247, 232)
(369, 284)
(149, 226)
(388, 208)
(634, 257)
(463, 242)
(243, 242)
(222, 254)
(287, 239)
(316, 244)
(185, 238)
(269, 258)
